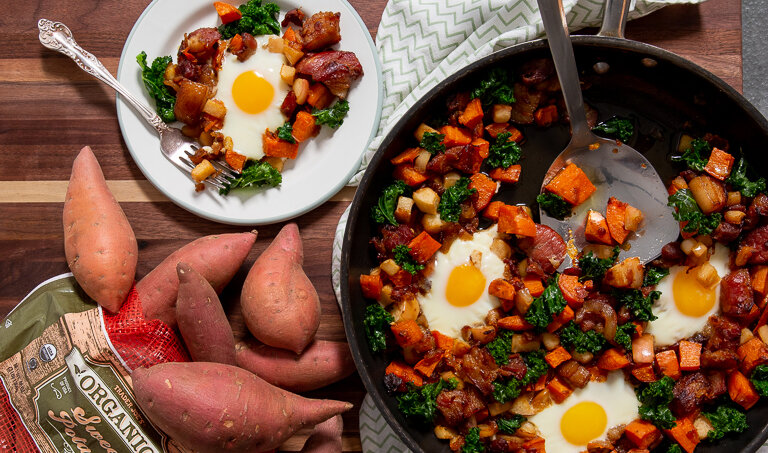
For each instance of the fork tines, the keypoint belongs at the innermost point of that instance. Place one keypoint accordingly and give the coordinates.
(220, 179)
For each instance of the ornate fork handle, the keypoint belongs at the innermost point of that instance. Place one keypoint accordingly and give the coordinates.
(56, 36)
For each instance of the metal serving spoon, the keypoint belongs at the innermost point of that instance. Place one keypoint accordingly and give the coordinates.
(615, 169)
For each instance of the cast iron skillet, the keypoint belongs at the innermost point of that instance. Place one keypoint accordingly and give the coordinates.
(663, 93)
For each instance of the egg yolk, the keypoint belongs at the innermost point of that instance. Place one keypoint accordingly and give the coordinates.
(465, 285)
(251, 92)
(583, 423)
(691, 298)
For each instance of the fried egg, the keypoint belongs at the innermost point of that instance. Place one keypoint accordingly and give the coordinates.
(685, 304)
(459, 289)
(587, 414)
(252, 91)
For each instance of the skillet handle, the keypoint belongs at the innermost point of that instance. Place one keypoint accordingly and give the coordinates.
(614, 18)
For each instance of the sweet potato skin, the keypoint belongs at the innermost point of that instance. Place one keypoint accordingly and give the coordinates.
(280, 306)
(321, 364)
(99, 243)
(213, 407)
(326, 437)
(217, 258)
(201, 319)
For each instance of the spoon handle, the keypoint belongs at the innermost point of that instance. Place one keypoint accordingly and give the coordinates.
(614, 18)
(565, 63)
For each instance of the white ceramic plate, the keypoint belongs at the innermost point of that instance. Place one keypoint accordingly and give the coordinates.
(324, 164)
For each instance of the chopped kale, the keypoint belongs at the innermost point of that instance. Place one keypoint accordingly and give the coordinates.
(726, 419)
(641, 307)
(554, 205)
(420, 403)
(257, 20)
(654, 274)
(496, 88)
(333, 116)
(654, 400)
(376, 322)
(501, 346)
(571, 336)
(432, 142)
(384, 211)
(537, 366)
(285, 132)
(759, 378)
(550, 303)
(623, 336)
(153, 76)
(503, 152)
(254, 174)
(506, 390)
(594, 268)
(696, 156)
(616, 127)
(509, 425)
(450, 203)
(738, 179)
(472, 442)
(688, 211)
(405, 260)
(675, 448)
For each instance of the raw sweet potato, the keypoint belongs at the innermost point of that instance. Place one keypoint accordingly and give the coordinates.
(280, 306)
(326, 437)
(321, 364)
(201, 318)
(213, 407)
(99, 243)
(217, 258)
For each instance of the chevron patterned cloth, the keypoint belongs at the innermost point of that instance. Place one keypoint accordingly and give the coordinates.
(420, 43)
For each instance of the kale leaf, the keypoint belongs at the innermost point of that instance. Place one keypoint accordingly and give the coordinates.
(616, 127)
(257, 20)
(594, 268)
(654, 402)
(501, 346)
(726, 419)
(509, 425)
(675, 448)
(506, 390)
(333, 116)
(688, 211)
(503, 152)
(254, 174)
(472, 442)
(654, 274)
(384, 211)
(550, 303)
(450, 203)
(153, 76)
(376, 322)
(759, 378)
(536, 367)
(420, 403)
(641, 307)
(432, 142)
(738, 179)
(405, 260)
(554, 205)
(571, 336)
(285, 132)
(496, 88)
(695, 155)
(623, 336)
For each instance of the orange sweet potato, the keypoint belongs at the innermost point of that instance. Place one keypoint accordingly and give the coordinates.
(614, 216)
(326, 437)
(215, 257)
(515, 220)
(212, 407)
(99, 243)
(741, 390)
(509, 175)
(321, 364)
(684, 433)
(719, 164)
(304, 126)
(642, 433)
(275, 146)
(596, 229)
(572, 184)
(472, 114)
(486, 188)
(227, 12)
(280, 306)
(201, 318)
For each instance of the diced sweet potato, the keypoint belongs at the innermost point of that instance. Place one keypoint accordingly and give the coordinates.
(668, 364)
(719, 164)
(572, 184)
(274, 146)
(515, 220)
(371, 285)
(423, 247)
(492, 211)
(615, 216)
(407, 333)
(684, 433)
(509, 175)
(304, 126)
(235, 160)
(561, 319)
(455, 136)
(751, 354)
(612, 359)
(690, 355)
(486, 189)
(741, 391)
(642, 433)
(557, 356)
(472, 114)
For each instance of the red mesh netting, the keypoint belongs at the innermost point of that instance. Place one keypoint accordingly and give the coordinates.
(13, 436)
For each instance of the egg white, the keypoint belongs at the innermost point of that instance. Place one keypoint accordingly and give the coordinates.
(244, 128)
(615, 396)
(449, 319)
(672, 325)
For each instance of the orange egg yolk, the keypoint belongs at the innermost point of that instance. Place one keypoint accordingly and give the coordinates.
(252, 93)
(465, 285)
(691, 298)
(583, 423)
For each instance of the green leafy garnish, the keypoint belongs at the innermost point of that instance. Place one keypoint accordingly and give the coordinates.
(420, 403)
(616, 127)
(688, 211)
(537, 366)
(384, 211)
(508, 390)
(432, 142)
(594, 268)
(509, 425)
(654, 402)
(153, 76)
(501, 346)
(285, 132)
(654, 274)
(405, 260)
(545, 307)
(450, 203)
(641, 307)
(759, 378)
(623, 336)
(472, 442)
(738, 179)
(675, 448)
(376, 322)
(503, 152)
(696, 156)
(333, 116)
(571, 336)
(496, 88)
(554, 205)
(254, 174)
(726, 419)
(257, 20)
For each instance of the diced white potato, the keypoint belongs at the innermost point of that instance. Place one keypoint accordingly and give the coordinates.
(421, 161)
(627, 274)
(203, 170)
(432, 223)
(426, 200)
(450, 178)
(502, 113)
(419, 133)
(275, 45)
(215, 108)
(287, 73)
(390, 267)
(404, 209)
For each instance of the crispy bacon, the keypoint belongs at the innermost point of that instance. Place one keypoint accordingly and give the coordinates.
(547, 249)
(336, 69)
(200, 45)
(247, 49)
(479, 368)
(536, 71)
(295, 16)
(736, 298)
(758, 240)
(515, 367)
(458, 405)
(320, 31)
(725, 334)
(689, 393)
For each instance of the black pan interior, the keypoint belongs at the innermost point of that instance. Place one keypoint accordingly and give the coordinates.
(665, 95)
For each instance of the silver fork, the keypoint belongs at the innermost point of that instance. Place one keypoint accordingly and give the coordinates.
(177, 147)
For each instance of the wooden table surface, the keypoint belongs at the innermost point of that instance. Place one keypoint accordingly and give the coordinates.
(49, 109)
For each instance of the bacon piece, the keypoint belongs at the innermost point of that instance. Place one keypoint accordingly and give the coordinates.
(201, 44)
(458, 405)
(725, 334)
(689, 393)
(546, 249)
(248, 48)
(536, 71)
(336, 69)
(758, 240)
(295, 16)
(320, 31)
(515, 367)
(736, 298)
(479, 368)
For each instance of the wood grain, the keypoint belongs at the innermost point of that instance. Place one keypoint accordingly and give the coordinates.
(49, 109)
